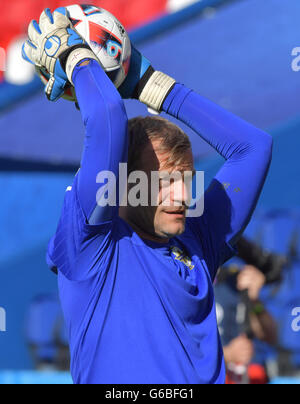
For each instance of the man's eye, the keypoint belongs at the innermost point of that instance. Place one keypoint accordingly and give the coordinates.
(168, 183)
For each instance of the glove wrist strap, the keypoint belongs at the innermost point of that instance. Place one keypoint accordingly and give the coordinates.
(156, 90)
(76, 56)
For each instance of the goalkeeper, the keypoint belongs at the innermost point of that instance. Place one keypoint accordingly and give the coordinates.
(136, 283)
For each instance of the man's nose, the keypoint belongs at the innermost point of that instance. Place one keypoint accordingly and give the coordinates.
(181, 193)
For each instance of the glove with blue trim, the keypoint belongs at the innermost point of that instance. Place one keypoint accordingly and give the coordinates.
(55, 45)
(144, 83)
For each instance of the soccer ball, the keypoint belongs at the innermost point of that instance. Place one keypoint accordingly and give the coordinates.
(107, 38)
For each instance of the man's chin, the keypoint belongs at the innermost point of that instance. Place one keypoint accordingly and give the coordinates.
(175, 230)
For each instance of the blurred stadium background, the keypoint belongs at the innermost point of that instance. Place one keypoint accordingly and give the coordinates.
(237, 53)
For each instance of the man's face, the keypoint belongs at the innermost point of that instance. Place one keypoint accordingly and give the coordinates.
(167, 219)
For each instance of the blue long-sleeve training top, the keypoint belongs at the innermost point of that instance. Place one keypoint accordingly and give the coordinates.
(138, 311)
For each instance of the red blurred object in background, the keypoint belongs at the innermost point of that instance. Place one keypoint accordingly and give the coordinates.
(17, 14)
(256, 374)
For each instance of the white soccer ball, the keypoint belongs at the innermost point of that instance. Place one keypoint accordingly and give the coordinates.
(107, 38)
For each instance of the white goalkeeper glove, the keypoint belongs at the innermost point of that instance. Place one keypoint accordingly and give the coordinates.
(55, 45)
(144, 83)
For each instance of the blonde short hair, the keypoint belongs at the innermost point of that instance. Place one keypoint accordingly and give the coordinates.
(172, 140)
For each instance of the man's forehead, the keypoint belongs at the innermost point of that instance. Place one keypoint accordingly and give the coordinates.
(159, 160)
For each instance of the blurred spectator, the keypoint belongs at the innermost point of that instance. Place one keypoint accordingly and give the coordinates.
(267, 291)
(280, 231)
(46, 334)
(282, 300)
(270, 264)
(241, 318)
(239, 351)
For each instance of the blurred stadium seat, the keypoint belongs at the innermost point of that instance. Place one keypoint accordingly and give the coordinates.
(46, 333)
(31, 377)
(280, 232)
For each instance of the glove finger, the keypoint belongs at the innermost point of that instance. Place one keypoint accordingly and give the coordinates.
(34, 32)
(61, 10)
(29, 53)
(56, 92)
(54, 89)
(46, 21)
(49, 15)
(60, 18)
(42, 74)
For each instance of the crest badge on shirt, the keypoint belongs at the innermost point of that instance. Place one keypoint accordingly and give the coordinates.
(179, 255)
